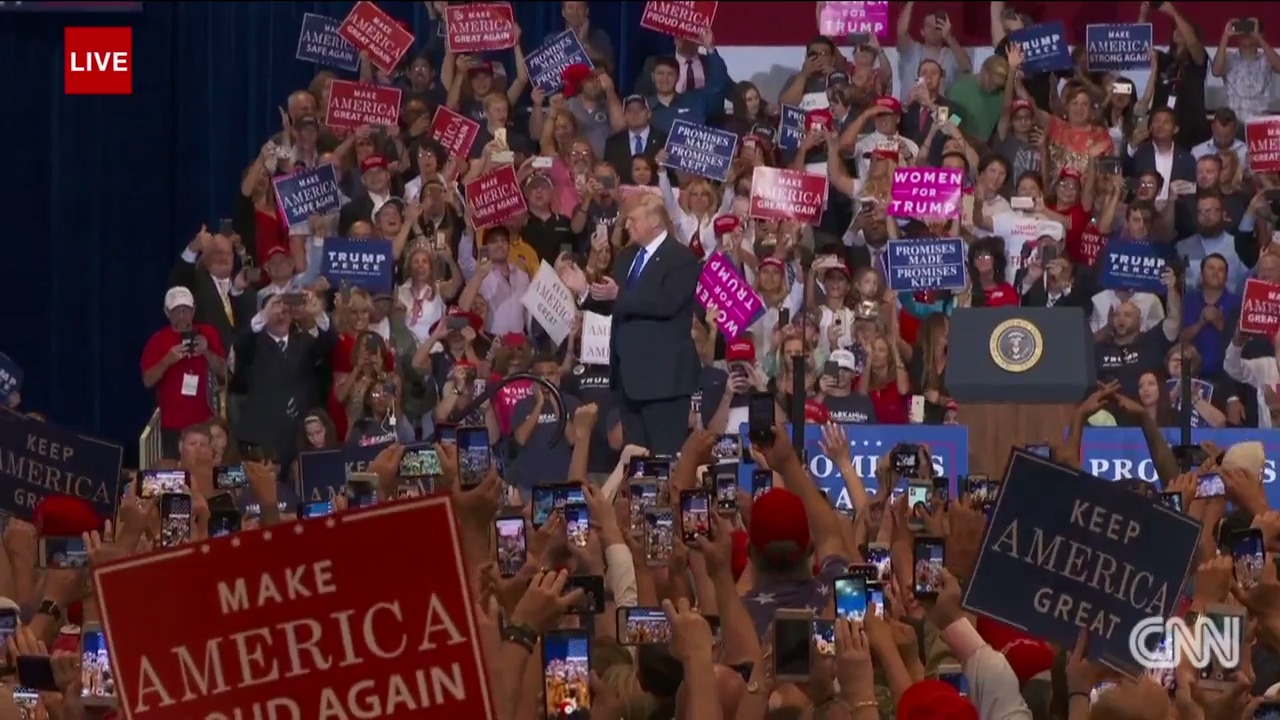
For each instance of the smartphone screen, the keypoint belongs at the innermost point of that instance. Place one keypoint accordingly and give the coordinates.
(1226, 624)
(695, 515)
(8, 626)
(97, 684)
(592, 587)
(224, 523)
(643, 495)
(851, 597)
(230, 477)
(659, 527)
(876, 600)
(63, 552)
(512, 547)
(474, 456)
(824, 637)
(175, 519)
(791, 644)
(643, 626)
(566, 674)
(906, 461)
(577, 522)
(1172, 500)
(419, 462)
(918, 497)
(1210, 486)
(727, 490)
(1248, 554)
(980, 490)
(761, 482)
(317, 509)
(727, 448)
(878, 555)
(929, 557)
(549, 498)
(760, 416)
(28, 702)
(159, 482)
(361, 494)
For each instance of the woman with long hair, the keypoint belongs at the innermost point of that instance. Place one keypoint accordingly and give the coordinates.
(693, 214)
(356, 357)
(928, 367)
(886, 382)
(986, 266)
(316, 431)
(378, 417)
(749, 109)
(1154, 400)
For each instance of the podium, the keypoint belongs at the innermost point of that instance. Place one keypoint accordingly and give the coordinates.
(1018, 373)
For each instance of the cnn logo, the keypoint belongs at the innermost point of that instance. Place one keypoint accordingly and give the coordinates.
(1214, 640)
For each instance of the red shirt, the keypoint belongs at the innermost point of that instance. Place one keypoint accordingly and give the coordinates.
(340, 360)
(1090, 246)
(890, 405)
(504, 403)
(1079, 218)
(1002, 295)
(178, 410)
(269, 232)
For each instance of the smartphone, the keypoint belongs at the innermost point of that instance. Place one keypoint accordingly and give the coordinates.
(63, 552)
(1244, 26)
(659, 526)
(97, 682)
(609, 182)
(1172, 500)
(158, 482)
(1248, 553)
(760, 418)
(906, 460)
(294, 300)
(878, 555)
(361, 492)
(695, 515)
(727, 489)
(979, 489)
(577, 523)
(851, 596)
(1019, 202)
(942, 490)
(728, 448)
(592, 586)
(28, 702)
(876, 601)
(474, 456)
(952, 674)
(512, 547)
(543, 162)
(859, 39)
(224, 523)
(784, 317)
(8, 627)
(831, 369)
(230, 477)
(942, 114)
(919, 497)
(1040, 449)
(175, 519)
(1268, 710)
(317, 509)
(761, 482)
(419, 462)
(1121, 88)
(649, 467)
(1108, 166)
(1229, 622)
(566, 674)
(253, 275)
(549, 498)
(643, 626)
(824, 638)
(36, 672)
(928, 560)
(1210, 486)
(792, 643)
(643, 495)
(225, 227)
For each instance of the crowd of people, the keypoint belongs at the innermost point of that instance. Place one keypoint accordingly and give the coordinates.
(264, 359)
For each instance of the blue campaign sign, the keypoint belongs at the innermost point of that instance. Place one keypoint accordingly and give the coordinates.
(949, 445)
(361, 262)
(701, 150)
(1093, 555)
(1044, 47)
(1119, 453)
(320, 43)
(551, 58)
(790, 128)
(38, 459)
(1132, 266)
(322, 474)
(308, 192)
(1119, 46)
(11, 377)
(926, 264)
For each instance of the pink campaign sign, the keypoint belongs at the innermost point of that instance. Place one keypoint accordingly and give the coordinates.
(739, 305)
(933, 193)
(839, 19)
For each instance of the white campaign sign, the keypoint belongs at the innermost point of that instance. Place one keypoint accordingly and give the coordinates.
(596, 331)
(1202, 644)
(551, 303)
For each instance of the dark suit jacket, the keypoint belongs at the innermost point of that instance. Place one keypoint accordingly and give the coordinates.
(651, 353)
(1081, 295)
(270, 379)
(915, 126)
(360, 208)
(617, 151)
(644, 81)
(209, 309)
(1144, 160)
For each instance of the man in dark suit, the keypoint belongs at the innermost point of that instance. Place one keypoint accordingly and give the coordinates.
(654, 368)
(1058, 284)
(639, 138)
(1162, 126)
(205, 268)
(376, 177)
(277, 367)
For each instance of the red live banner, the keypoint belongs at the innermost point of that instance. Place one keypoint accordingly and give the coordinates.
(1260, 308)
(1263, 138)
(293, 622)
(372, 30)
(688, 20)
(778, 194)
(495, 198)
(479, 28)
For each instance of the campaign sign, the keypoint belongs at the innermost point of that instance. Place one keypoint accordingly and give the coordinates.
(922, 192)
(597, 331)
(548, 61)
(926, 264)
(455, 132)
(1044, 47)
(479, 28)
(701, 150)
(551, 303)
(688, 20)
(361, 262)
(1119, 46)
(298, 623)
(353, 104)
(790, 128)
(322, 474)
(307, 192)
(780, 194)
(1260, 308)
(495, 197)
(738, 304)
(1092, 555)
(839, 19)
(1263, 137)
(372, 30)
(321, 43)
(1132, 266)
(1121, 453)
(38, 460)
(1200, 390)
(11, 376)
(948, 445)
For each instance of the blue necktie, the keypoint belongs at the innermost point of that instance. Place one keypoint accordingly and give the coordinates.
(638, 146)
(636, 267)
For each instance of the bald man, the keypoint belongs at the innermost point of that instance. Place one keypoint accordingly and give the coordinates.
(1125, 352)
(205, 268)
(302, 103)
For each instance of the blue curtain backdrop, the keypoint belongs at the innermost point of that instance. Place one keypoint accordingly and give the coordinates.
(102, 192)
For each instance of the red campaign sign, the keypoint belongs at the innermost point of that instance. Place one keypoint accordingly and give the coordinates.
(353, 104)
(293, 622)
(495, 198)
(1263, 137)
(687, 20)
(1260, 311)
(455, 132)
(778, 194)
(479, 28)
(370, 29)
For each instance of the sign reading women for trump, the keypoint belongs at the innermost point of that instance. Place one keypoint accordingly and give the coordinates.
(305, 193)
(321, 43)
(932, 193)
(688, 20)
(1133, 266)
(1260, 308)
(361, 262)
(551, 58)
(701, 150)
(839, 19)
(354, 104)
(926, 264)
(1044, 47)
(1119, 46)
(1092, 555)
(778, 194)
(739, 306)
(38, 460)
(495, 197)
(1263, 136)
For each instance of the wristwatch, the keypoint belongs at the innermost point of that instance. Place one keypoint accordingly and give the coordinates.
(523, 636)
(50, 608)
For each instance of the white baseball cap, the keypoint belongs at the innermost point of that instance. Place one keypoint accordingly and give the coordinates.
(178, 297)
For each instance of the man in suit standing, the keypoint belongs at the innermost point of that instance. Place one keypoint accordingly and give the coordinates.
(638, 138)
(205, 268)
(1161, 154)
(654, 367)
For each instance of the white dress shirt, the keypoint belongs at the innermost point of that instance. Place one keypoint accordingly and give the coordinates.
(693, 62)
(505, 294)
(643, 135)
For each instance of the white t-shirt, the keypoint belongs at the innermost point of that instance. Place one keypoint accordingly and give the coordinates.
(1018, 229)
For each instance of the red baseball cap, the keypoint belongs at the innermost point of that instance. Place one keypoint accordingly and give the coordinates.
(934, 700)
(891, 102)
(779, 527)
(743, 351)
(373, 162)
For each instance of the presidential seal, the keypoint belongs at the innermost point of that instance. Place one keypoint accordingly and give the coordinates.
(1016, 345)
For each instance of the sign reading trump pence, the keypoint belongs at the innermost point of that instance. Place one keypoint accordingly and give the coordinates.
(1085, 553)
(778, 194)
(297, 624)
